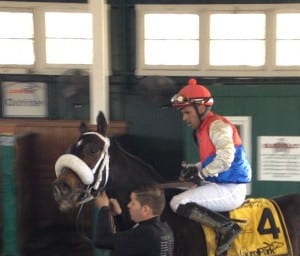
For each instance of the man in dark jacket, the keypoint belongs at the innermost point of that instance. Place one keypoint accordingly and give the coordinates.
(149, 237)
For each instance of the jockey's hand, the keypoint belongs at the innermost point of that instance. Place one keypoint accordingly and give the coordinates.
(191, 173)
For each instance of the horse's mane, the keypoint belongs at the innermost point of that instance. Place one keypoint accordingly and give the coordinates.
(137, 159)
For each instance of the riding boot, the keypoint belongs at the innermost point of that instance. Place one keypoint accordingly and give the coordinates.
(226, 229)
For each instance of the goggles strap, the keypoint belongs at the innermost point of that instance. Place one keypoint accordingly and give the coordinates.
(200, 116)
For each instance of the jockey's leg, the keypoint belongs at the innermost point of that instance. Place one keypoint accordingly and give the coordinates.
(227, 229)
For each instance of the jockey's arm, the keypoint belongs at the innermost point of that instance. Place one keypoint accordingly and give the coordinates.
(221, 136)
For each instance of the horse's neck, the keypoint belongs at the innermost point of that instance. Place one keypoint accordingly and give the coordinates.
(126, 173)
(132, 166)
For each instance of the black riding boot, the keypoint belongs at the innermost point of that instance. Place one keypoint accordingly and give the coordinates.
(226, 229)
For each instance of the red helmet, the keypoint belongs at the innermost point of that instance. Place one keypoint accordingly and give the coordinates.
(192, 93)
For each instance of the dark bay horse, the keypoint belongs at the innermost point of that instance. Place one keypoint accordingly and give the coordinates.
(95, 162)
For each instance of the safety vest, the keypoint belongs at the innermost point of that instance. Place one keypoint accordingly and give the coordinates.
(240, 169)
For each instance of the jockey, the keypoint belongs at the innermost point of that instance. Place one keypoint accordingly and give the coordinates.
(223, 169)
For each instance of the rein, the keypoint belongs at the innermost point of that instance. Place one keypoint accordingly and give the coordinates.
(183, 185)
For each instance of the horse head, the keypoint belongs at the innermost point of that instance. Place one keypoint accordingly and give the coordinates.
(84, 169)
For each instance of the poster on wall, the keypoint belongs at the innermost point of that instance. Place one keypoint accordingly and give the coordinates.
(278, 158)
(20, 99)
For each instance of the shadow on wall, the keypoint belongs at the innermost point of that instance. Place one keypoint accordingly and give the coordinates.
(73, 95)
(156, 90)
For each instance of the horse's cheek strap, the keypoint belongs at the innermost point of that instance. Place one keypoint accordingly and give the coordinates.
(76, 165)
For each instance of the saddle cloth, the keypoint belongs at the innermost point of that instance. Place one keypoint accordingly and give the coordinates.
(263, 231)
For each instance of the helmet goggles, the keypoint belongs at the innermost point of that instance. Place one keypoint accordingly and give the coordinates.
(180, 101)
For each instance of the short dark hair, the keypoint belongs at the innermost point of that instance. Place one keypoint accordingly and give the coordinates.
(151, 195)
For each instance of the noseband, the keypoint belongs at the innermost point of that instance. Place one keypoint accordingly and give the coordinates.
(95, 178)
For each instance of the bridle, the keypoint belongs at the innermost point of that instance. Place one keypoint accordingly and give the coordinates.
(95, 178)
(101, 168)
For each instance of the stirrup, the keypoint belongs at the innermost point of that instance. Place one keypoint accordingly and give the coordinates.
(230, 233)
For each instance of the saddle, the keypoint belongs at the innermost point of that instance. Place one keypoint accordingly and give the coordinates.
(263, 230)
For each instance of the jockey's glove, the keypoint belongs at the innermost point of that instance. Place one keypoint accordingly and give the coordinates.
(191, 172)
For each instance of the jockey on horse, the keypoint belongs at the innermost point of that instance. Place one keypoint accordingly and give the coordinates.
(223, 170)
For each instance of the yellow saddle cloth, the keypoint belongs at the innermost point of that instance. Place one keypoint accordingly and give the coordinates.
(263, 231)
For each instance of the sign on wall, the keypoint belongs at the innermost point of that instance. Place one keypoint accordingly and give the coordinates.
(278, 158)
(21, 99)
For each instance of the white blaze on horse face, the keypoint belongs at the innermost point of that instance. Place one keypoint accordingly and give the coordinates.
(75, 164)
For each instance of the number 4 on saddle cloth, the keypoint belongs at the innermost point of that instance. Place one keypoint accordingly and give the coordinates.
(263, 230)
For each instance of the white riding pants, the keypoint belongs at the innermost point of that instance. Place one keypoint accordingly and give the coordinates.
(213, 196)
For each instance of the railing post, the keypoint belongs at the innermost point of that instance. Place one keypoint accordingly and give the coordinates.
(9, 202)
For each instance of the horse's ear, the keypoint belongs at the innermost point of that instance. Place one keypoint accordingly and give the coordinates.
(83, 128)
(101, 123)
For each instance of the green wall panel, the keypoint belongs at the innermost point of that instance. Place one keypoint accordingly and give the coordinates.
(9, 204)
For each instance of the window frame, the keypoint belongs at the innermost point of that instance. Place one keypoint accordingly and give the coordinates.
(38, 10)
(269, 69)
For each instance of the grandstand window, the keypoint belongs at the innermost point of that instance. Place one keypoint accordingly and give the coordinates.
(44, 37)
(68, 38)
(176, 36)
(237, 39)
(288, 39)
(218, 40)
(16, 38)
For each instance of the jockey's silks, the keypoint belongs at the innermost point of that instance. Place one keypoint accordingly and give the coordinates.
(240, 169)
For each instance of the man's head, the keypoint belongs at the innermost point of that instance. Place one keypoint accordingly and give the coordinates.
(146, 201)
(194, 101)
